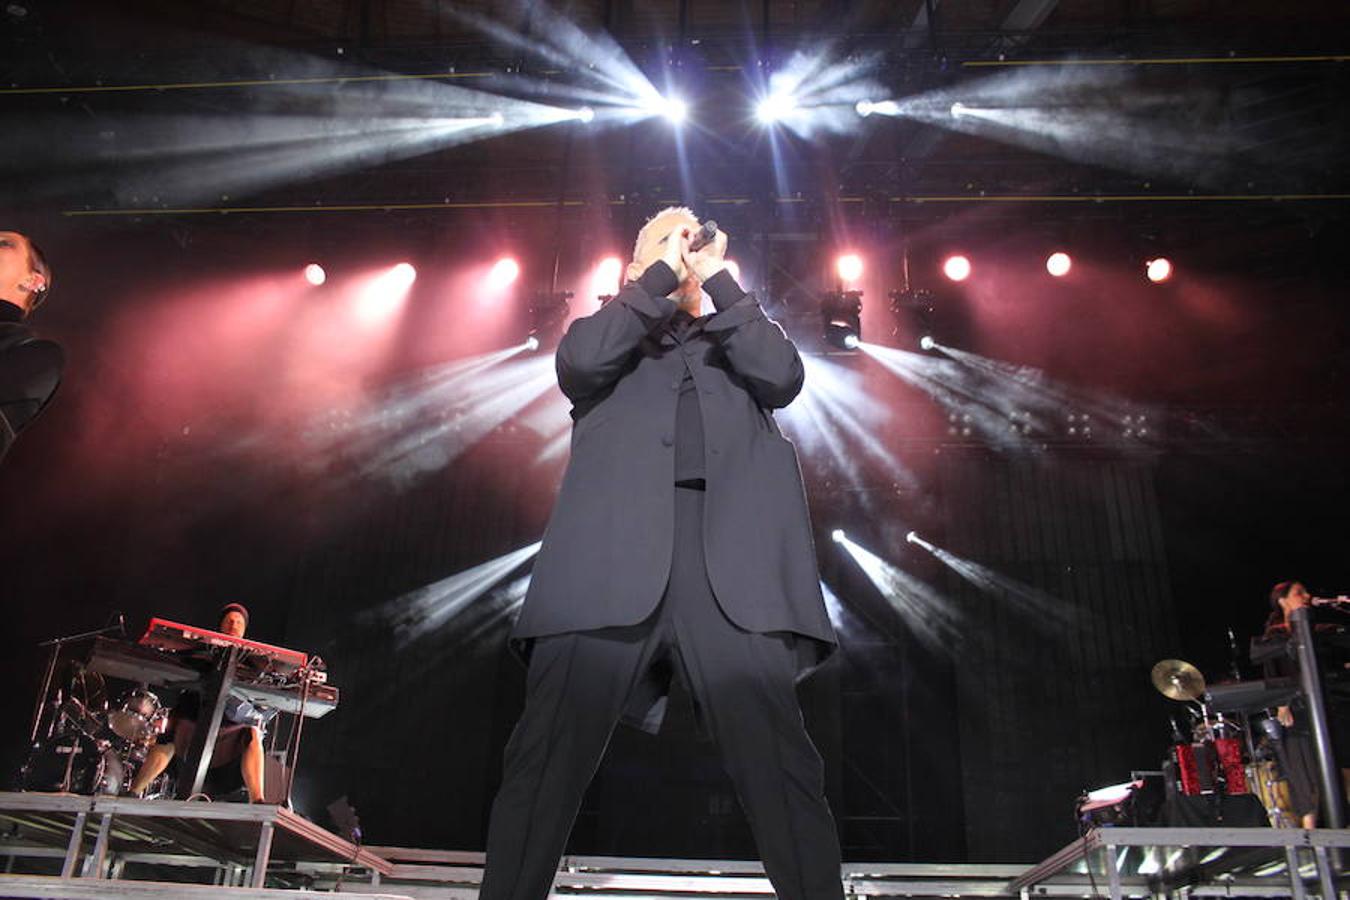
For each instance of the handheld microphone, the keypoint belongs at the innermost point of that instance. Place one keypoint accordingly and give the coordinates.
(704, 236)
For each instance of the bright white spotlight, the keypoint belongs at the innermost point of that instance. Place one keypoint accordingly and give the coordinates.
(532, 343)
(912, 537)
(1058, 264)
(774, 108)
(838, 536)
(957, 268)
(957, 109)
(851, 341)
(883, 107)
(1159, 269)
(927, 343)
(497, 120)
(605, 279)
(504, 272)
(315, 274)
(403, 275)
(734, 269)
(673, 108)
(849, 266)
(586, 114)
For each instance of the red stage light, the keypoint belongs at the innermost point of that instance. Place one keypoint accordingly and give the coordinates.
(504, 271)
(382, 296)
(850, 267)
(1159, 269)
(1058, 264)
(403, 275)
(605, 278)
(957, 267)
(315, 274)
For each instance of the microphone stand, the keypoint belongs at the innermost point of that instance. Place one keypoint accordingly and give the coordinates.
(57, 644)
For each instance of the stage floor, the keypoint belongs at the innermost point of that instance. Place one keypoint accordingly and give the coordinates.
(105, 847)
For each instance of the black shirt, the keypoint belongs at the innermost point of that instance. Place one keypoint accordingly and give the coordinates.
(689, 461)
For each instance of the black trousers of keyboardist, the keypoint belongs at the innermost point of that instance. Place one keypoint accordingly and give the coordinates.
(743, 684)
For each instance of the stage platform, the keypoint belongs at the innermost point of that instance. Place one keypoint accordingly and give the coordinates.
(63, 846)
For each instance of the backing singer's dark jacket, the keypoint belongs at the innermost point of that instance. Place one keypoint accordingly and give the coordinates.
(607, 550)
(30, 370)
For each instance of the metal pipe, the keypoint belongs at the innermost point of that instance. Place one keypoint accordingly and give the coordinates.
(1310, 680)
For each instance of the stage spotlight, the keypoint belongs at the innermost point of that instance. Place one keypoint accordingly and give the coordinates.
(958, 108)
(605, 281)
(841, 317)
(850, 267)
(1058, 264)
(585, 114)
(497, 120)
(403, 275)
(734, 269)
(912, 537)
(927, 343)
(838, 536)
(672, 108)
(548, 312)
(775, 107)
(504, 271)
(957, 268)
(315, 274)
(1159, 269)
(865, 108)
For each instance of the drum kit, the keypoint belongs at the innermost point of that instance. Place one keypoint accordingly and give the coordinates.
(1220, 753)
(90, 746)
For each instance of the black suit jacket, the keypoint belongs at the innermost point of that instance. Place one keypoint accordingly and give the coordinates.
(30, 371)
(606, 553)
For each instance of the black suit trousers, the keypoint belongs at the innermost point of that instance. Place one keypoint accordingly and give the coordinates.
(743, 683)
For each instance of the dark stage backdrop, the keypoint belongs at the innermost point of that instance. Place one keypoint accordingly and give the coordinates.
(166, 481)
(1068, 606)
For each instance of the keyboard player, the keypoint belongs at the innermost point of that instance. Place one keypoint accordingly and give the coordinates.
(1273, 652)
(240, 737)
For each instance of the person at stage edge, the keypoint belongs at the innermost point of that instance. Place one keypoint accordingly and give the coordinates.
(1273, 651)
(30, 368)
(680, 538)
(241, 730)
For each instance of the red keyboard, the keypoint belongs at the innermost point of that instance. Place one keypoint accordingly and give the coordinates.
(174, 636)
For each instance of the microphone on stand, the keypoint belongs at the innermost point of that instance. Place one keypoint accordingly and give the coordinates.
(1342, 600)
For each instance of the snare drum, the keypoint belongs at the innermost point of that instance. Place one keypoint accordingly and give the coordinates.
(138, 718)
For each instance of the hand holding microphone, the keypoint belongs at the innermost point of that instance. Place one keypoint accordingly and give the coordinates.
(677, 246)
(707, 251)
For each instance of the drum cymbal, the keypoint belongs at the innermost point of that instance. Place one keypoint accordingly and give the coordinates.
(1177, 679)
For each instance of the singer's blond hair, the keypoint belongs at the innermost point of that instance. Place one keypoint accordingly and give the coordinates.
(668, 211)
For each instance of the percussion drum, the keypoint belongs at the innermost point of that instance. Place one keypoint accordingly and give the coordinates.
(75, 763)
(139, 717)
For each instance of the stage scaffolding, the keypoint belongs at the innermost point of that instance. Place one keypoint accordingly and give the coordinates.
(64, 846)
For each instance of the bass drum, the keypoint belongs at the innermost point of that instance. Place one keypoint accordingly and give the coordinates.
(73, 763)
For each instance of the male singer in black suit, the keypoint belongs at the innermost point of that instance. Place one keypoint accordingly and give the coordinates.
(30, 368)
(680, 538)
